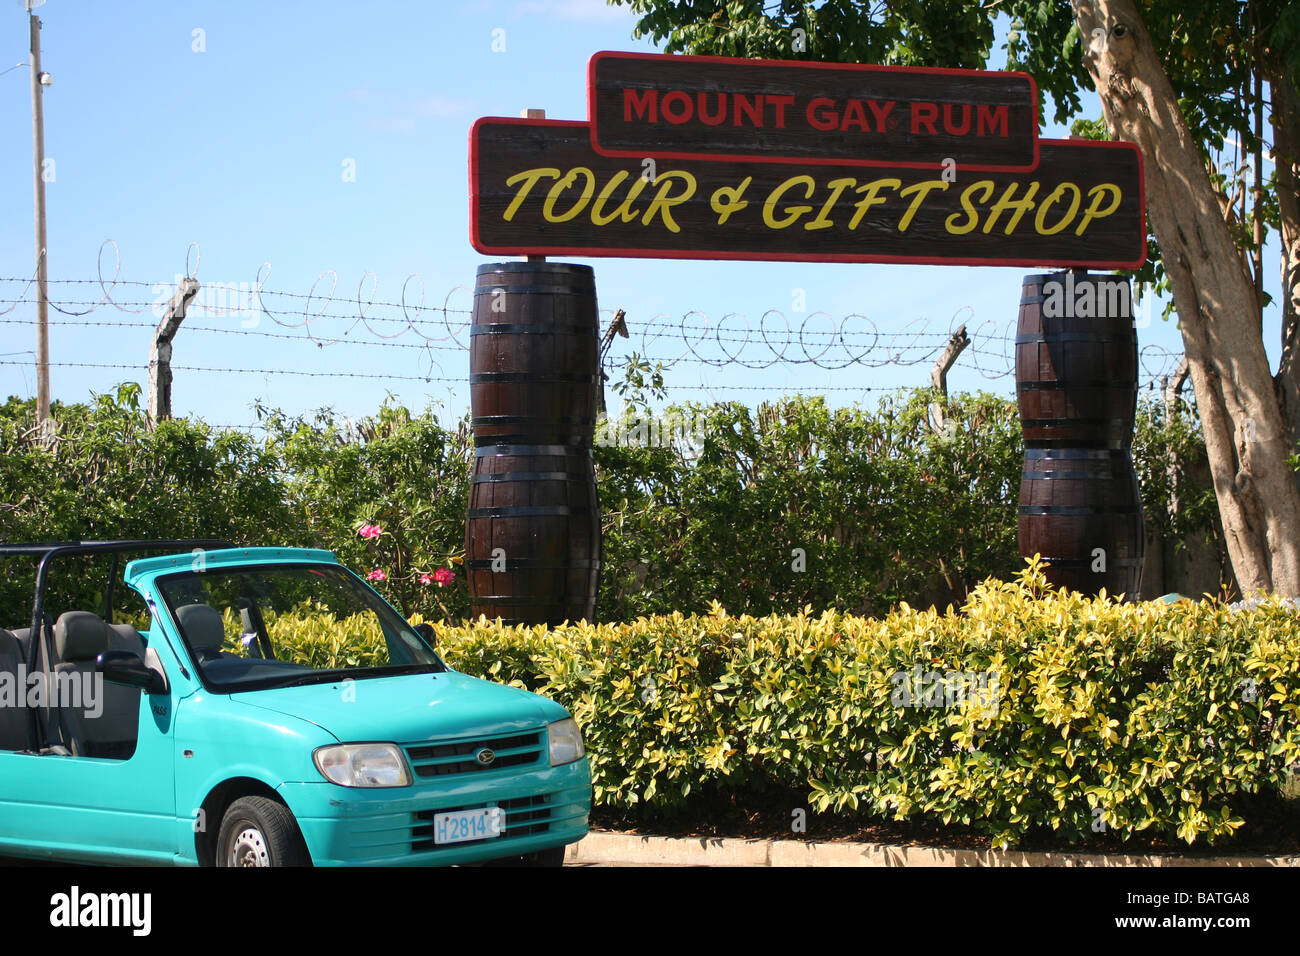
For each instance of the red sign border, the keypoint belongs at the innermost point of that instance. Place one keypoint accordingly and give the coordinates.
(792, 160)
(622, 253)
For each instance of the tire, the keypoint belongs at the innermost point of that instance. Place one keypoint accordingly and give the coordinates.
(259, 831)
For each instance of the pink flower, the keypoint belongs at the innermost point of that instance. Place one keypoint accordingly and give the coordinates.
(370, 531)
(444, 576)
(425, 579)
(377, 575)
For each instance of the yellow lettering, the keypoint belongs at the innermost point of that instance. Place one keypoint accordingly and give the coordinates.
(1094, 199)
(793, 212)
(726, 200)
(837, 187)
(1049, 202)
(870, 198)
(663, 202)
(1021, 206)
(624, 210)
(922, 189)
(548, 207)
(529, 178)
(972, 217)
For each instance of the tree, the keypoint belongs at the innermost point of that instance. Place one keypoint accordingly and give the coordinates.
(1183, 80)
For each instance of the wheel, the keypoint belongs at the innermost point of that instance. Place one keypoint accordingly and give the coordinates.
(259, 831)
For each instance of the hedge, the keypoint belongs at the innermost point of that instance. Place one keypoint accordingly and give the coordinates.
(789, 504)
(1026, 711)
(1110, 717)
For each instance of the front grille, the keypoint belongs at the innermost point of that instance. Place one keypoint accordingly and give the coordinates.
(437, 760)
(525, 816)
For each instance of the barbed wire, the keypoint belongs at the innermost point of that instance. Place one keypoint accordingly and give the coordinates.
(324, 319)
(692, 338)
(1145, 382)
(304, 373)
(895, 351)
(990, 353)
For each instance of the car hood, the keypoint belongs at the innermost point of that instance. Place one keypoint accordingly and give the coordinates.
(411, 708)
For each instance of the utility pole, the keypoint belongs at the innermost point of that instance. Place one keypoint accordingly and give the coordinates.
(39, 80)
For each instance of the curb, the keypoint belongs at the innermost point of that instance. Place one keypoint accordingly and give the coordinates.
(630, 849)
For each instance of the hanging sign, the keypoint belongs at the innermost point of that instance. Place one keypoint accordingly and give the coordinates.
(688, 157)
(538, 188)
(702, 107)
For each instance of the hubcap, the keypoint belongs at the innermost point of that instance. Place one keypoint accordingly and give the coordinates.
(249, 849)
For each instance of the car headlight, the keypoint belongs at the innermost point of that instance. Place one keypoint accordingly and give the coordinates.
(362, 765)
(566, 741)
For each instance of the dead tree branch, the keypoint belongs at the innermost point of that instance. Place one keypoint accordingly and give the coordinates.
(939, 375)
(160, 353)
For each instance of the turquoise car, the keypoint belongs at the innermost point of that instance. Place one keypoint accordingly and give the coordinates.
(272, 711)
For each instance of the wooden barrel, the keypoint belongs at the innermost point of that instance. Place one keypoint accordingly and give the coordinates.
(1076, 361)
(532, 538)
(1081, 509)
(537, 505)
(534, 354)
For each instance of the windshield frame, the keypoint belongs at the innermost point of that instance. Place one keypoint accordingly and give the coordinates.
(379, 606)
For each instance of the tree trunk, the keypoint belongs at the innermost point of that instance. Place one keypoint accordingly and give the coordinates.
(1245, 436)
(1286, 153)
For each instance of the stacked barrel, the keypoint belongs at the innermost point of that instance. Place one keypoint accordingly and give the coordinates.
(1076, 387)
(532, 538)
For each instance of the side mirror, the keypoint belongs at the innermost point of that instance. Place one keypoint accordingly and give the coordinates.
(126, 667)
(425, 630)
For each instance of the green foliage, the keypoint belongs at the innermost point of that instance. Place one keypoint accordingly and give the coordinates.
(1139, 718)
(1169, 456)
(641, 383)
(912, 32)
(311, 483)
(317, 638)
(407, 474)
(107, 475)
(883, 508)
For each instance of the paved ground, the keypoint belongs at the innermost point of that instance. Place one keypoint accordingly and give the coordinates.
(606, 849)
(602, 848)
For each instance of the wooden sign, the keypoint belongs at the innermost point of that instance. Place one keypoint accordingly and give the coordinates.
(699, 107)
(537, 187)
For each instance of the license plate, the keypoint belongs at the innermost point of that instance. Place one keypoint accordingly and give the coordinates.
(461, 826)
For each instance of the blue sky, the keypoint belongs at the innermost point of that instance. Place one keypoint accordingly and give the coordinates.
(243, 148)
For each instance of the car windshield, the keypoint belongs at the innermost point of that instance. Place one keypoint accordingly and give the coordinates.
(279, 625)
